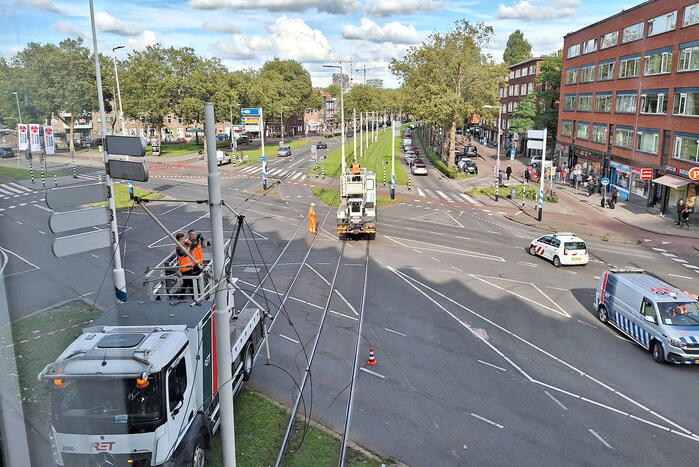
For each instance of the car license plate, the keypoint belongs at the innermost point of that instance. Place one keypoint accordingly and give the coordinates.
(577, 259)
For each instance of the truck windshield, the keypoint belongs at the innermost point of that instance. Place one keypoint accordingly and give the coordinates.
(107, 406)
(679, 314)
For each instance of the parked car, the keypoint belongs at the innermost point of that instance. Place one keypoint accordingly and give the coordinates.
(242, 138)
(221, 137)
(321, 145)
(181, 140)
(409, 158)
(6, 153)
(284, 151)
(467, 165)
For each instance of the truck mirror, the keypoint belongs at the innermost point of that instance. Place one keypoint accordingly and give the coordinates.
(650, 319)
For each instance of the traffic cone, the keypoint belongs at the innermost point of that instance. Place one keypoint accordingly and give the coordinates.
(372, 360)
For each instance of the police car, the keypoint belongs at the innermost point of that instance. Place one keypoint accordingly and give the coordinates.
(562, 248)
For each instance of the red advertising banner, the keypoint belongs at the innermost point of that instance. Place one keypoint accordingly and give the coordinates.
(34, 137)
(49, 140)
(23, 136)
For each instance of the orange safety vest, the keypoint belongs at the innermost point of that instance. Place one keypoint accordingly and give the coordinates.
(355, 168)
(185, 261)
(312, 219)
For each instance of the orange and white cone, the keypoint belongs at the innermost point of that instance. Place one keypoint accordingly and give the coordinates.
(372, 360)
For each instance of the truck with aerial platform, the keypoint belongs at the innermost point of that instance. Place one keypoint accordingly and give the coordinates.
(356, 214)
(139, 386)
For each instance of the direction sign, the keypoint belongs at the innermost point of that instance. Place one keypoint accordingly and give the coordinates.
(80, 219)
(125, 145)
(127, 170)
(58, 198)
(535, 134)
(604, 181)
(535, 144)
(251, 120)
(249, 111)
(694, 173)
(82, 242)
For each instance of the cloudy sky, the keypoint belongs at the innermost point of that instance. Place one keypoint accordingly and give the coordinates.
(245, 33)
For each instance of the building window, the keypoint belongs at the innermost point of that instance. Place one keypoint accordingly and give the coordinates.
(632, 33)
(515, 90)
(524, 71)
(583, 130)
(517, 73)
(590, 46)
(571, 75)
(510, 91)
(532, 69)
(689, 57)
(647, 140)
(662, 23)
(573, 51)
(603, 102)
(626, 103)
(686, 147)
(566, 128)
(600, 133)
(691, 15)
(569, 103)
(654, 102)
(169, 119)
(585, 103)
(530, 88)
(605, 71)
(658, 62)
(687, 102)
(623, 137)
(587, 74)
(628, 66)
(512, 74)
(609, 40)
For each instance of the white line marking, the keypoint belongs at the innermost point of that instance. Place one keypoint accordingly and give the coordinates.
(20, 223)
(42, 207)
(396, 332)
(469, 199)
(349, 305)
(491, 365)
(559, 311)
(531, 265)
(601, 440)
(681, 277)
(435, 259)
(419, 191)
(454, 267)
(172, 209)
(289, 339)
(372, 372)
(41, 232)
(690, 266)
(556, 288)
(679, 260)
(129, 271)
(94, 255)
(19, 257)
(417, 251)
(560, 404)
(343, 315)
(586, 324)
(483, 419)
(670, 255)
(659, 249)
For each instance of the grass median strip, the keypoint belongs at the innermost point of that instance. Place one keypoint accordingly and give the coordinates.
(18, 173)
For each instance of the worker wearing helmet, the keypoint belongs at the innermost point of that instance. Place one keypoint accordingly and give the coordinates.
(312, 218)
(355, 168)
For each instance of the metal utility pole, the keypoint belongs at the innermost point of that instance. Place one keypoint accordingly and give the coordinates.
(223, 338)
(540, 213)
(361, 136)
(118, 271)
(497, 157)
(354, 133)
(393, 161)
(263, 158)
(19, 112)
(281, 123)
(116, 75)
(342, 113)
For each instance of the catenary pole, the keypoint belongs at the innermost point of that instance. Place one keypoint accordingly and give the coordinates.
(116, 75)
(118, 271)
(540, 213)
(393, 161)
(222, 315)
(354, 133)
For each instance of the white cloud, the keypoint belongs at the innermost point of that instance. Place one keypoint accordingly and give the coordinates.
(108, 23)
(240, 47)
(391, 32)
(143, 40)
(70, 29)
(401, 7)
(527, 11)
(566, 3)
(43, 5)
(328, 6)
(220, 27)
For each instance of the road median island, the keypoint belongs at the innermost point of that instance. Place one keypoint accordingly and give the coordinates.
(38, 339)
(19, 173)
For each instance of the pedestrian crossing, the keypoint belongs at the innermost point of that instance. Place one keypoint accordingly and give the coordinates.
(276, 172)
(97, 175)
(13, 190)
(451, 197)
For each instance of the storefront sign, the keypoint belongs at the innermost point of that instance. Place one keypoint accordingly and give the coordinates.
(646, 174)
(679, 171)
(694, 173)
(620, 167)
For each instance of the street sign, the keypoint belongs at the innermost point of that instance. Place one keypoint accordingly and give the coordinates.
(249, 111)
(694, 173)
(535, 144)
(251, 120)
(82, 242)
(80, 219)
(127, 170)
(125, 145)
(604, 181)
(535, 134)
(58, 198)
(646, 174)
(263, 158)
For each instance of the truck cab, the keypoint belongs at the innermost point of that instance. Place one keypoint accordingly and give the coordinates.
(357, 211)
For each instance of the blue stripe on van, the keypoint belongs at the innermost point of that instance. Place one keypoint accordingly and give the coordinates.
(694, 339)
(682, 339)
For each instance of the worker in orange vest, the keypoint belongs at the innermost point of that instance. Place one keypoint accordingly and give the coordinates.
(196, 245)
(186, 267)
(355, 168)
(312, 218)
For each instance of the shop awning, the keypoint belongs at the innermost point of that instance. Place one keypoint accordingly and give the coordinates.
(671, 181)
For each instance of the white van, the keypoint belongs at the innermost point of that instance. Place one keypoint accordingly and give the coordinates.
(659, 317)
(222, 158)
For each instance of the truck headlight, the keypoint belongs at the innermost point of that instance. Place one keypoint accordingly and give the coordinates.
(677, 343)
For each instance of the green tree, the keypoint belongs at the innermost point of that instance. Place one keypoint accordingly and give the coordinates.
(523, 118)
(333, 90)
(548, 93)
(517, 49)
(448, 77)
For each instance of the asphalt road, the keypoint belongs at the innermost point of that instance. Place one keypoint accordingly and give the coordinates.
(487, 356)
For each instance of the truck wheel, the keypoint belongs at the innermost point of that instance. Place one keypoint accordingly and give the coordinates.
(602, 315)
(199, 453)
(247, 361)
(556, 262)
(658, 352)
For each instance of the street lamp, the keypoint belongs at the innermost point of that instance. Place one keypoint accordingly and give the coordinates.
(18, 110)
(116, 75)
(342, 111)
(497, 160)
(230, 109)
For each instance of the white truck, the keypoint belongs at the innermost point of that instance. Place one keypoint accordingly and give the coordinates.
(139, 387)
(356, 214)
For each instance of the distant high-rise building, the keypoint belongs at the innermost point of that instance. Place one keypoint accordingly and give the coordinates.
(375, 83)
(341, 77)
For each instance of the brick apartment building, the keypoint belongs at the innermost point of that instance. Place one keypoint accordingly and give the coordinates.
(630, 101)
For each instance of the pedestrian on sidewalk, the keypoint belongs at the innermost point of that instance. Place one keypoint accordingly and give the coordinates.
(680, 207)
(527, 175)
(563, 174)
(685, 218)
(508, 171)
(615, 195)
